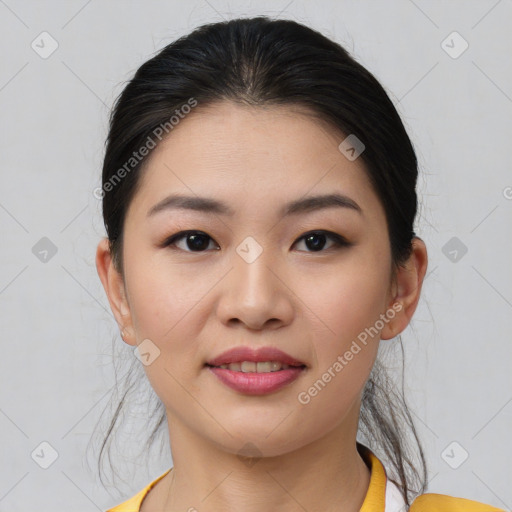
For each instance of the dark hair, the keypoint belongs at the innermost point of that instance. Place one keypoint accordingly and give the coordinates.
(264, 62)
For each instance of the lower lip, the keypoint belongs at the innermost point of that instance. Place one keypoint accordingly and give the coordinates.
(252, 383)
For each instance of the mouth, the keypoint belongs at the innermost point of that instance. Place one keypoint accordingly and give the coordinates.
(247, 359)
(257, 367)
(256, 377)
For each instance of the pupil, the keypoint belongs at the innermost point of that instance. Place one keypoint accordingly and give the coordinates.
(315, 246)
(198, 241)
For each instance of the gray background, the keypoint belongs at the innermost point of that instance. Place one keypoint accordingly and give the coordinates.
(56, 326)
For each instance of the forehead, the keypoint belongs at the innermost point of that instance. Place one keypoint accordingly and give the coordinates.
(252, 156)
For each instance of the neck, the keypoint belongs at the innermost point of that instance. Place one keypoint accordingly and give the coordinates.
(327, 474)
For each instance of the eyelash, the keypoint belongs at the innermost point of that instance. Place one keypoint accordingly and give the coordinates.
(339, 241)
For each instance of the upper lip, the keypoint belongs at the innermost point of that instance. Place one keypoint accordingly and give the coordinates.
(260, 354)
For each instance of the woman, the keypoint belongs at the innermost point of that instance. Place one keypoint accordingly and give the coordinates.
(259, 200)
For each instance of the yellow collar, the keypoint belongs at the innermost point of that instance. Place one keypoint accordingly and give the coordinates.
(428, 502)
(374, 500)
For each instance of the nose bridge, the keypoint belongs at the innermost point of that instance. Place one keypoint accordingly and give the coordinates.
(253, 264)
(254, 292)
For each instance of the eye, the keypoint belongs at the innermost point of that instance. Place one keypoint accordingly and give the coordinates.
(196, 241)
(315, 240)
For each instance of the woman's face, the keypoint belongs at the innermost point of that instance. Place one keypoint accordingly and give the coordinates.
(251, 279)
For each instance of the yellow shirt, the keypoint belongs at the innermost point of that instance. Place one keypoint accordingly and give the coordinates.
(374, 501)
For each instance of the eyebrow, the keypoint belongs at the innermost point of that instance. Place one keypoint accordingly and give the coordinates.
(299, 206)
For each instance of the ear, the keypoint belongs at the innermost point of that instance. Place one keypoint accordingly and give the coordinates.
(113, 284)
(406, 289)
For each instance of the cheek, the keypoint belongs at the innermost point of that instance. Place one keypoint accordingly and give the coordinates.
(162, 296)
(167, 308)
(345, 299)
(346, 305)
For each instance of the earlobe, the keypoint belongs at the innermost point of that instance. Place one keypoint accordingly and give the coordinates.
(113, 285)
(407, 289)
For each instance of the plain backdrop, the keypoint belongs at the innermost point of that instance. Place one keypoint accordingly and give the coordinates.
(446, 66)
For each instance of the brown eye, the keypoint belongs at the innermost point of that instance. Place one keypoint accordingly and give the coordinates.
(195, 241)
(316, 240)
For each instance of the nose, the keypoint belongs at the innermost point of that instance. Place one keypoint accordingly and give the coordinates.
(256, 294)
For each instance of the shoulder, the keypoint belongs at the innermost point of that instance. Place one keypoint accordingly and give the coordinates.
(135, 502)
(431, 502)
(131, 505)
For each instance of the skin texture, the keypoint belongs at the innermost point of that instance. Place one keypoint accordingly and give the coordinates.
(193, 305)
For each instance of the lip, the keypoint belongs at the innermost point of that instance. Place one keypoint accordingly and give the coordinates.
(254, 354)
(252, 383)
